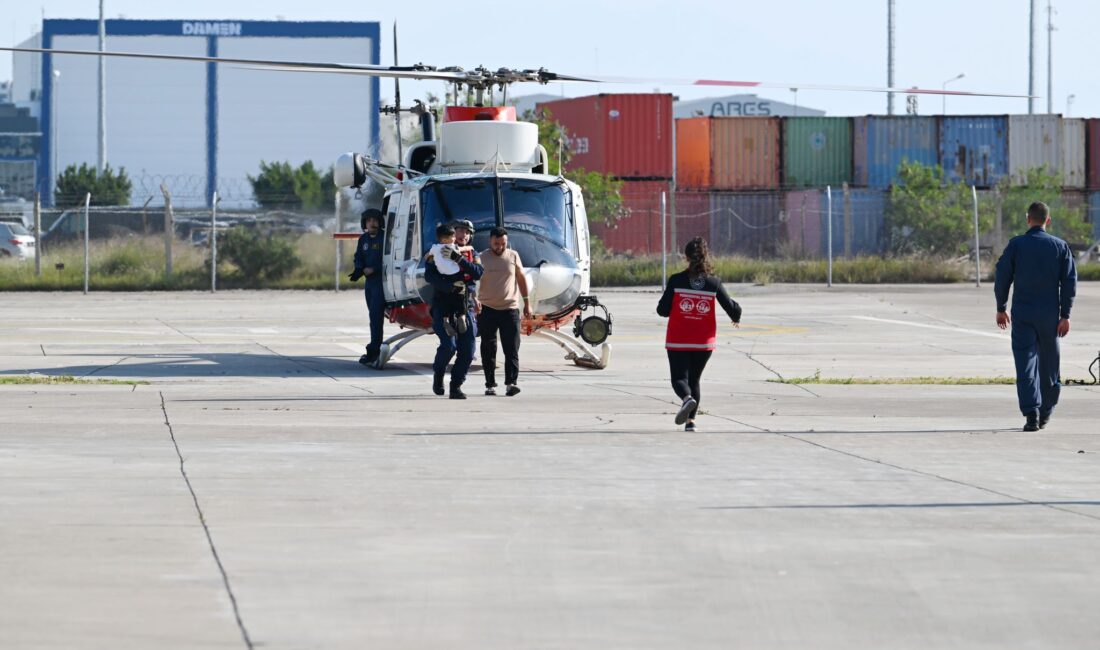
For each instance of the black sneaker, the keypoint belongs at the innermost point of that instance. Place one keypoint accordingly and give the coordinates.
(1043, 419)
(456, 392)
(1032, 423)
(437, 383)
(365, 360)
(512, 390)
(490, 390)
(685, 410)
(690, 426)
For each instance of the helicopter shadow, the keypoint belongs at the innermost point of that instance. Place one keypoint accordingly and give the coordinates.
(227, 364)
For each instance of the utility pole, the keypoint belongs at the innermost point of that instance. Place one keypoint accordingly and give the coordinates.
(1032, 58)
(890, 55)
(101, 162)
(1050, 57)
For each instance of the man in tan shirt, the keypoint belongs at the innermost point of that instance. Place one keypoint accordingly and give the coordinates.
(503, 289)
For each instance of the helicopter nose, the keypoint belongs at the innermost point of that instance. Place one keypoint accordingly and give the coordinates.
(553, 286)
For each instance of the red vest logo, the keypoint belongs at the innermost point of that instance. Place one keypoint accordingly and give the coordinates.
(687, 305)
(703, 307)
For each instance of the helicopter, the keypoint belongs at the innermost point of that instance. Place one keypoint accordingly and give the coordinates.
(487, 167)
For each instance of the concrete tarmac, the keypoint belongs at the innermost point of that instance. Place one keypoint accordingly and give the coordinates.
(265, 490)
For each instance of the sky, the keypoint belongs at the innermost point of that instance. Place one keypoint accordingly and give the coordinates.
(796, 41)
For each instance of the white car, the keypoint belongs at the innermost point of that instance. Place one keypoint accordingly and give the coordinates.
(16, 241)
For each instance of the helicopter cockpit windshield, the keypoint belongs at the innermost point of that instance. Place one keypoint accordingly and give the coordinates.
(537, 213)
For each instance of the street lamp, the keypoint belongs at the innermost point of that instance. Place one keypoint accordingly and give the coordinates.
(943, 87)
(53, 132)
(1069, 104)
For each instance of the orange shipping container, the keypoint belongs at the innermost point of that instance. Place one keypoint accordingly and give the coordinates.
(728, 153)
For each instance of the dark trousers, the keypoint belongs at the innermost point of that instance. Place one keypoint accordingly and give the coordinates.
(1036, 351)
(460, 347)
(376, 309)
(686, 368)
(505, 321)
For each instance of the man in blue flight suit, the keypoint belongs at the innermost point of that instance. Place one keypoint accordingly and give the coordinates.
(1042, 269)
(462, 344)
(368, 263)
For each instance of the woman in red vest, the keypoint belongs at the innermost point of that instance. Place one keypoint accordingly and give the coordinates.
(688, 303)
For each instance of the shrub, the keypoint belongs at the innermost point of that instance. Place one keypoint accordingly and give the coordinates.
(258, 255)
(279, 186)
(108, 188)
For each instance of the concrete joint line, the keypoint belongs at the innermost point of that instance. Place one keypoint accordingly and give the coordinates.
(206, 528)
(939, 477)
(308, 367)
(772, 370)
(110, 365)
(178, 331)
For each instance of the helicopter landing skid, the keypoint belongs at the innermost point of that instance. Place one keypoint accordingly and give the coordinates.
(577, 351)
(393, 344)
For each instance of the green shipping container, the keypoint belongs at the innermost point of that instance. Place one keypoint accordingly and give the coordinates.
(817, 151)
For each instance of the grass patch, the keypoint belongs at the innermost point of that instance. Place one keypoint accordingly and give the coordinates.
(816, 378)
(66, 379)
(617, 271)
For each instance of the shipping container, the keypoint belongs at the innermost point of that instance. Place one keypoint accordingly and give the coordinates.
(727, 153)
(1094, 215)
(1073, 153)
(628, 136)
(640, 231)
(746, 223)
(817, 151)
(803, 220)
(974, 148)
(692, 217)
(858, 222)
(881, 144)
(1034, 142)
(1092, 154)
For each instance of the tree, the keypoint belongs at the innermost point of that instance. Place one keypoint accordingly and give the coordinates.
(926, 215)
(109, 188)
(1066, 221)
(279, 186)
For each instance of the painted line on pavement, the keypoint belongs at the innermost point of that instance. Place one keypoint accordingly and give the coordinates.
(934, 327)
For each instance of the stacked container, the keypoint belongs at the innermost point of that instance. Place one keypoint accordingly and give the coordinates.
(817, 151)
(640, 230)
(974, 149)
(881, 144)
(728, 153)
(804, 221)
(1073, 153)
(1094, 214)
(746, 223)
(1092, 154)
(693, 214)
(1034, 142)
(858, 222)
(627, 136)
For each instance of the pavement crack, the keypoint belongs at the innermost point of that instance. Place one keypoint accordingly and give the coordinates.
(178, 331)
(775, 372)
(940, 477)
(110, 365)
(311, 368)
(206, 528)
(43, 348)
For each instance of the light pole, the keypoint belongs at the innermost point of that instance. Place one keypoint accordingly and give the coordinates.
(53, 135)
(1069, 105)
(943, 87)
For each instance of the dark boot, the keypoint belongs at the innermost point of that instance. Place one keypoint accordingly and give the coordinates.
(456, 391)
(437, 383)
(1032, 423)
(1043, 419)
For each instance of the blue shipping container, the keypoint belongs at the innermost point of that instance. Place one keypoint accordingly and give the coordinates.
(974, 148)
(867, 212)
(746, 223)
(880, 144)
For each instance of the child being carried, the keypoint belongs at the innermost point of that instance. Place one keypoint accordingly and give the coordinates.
(452, 305)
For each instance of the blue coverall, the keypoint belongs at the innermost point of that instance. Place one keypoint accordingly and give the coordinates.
(1041, 268)
(462, 344)
(368, 255)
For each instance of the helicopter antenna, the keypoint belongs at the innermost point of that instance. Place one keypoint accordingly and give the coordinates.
(397, 98)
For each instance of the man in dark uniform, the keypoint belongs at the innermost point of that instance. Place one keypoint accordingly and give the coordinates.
(368, 263)
(461, 346)
(1042, 269)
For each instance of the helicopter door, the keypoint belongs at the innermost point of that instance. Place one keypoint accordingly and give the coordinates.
(584, 256)
(393, 226)
(402, 254)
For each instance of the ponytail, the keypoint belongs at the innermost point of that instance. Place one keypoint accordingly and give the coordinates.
(698, 257)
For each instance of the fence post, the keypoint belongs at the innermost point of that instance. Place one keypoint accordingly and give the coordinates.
(829, 229)
(672, 213)
(87, 227)
(847, 221)
(664, 240)
(37, 235)
(169, 231)
(214, 243)
(977, 243)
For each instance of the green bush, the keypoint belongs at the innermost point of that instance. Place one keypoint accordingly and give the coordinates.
(282, 187)
(109, 188)
(926, 215)
(259, 256)
(1065, 221)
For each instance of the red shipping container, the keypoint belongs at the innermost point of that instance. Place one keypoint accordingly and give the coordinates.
(1092, 153)
(640, 231)
(803, 213)
(628, 136)
(692, 217)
